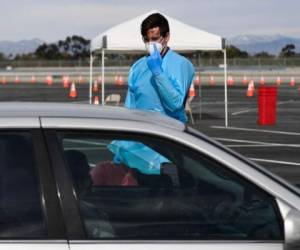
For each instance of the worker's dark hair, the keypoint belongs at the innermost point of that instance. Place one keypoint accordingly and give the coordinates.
(155, 20)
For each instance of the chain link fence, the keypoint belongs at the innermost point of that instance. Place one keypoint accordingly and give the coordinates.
(200, 62)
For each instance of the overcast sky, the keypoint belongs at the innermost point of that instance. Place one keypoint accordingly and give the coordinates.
(56, 19)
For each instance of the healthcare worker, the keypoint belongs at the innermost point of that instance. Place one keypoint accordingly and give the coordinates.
(158, 82)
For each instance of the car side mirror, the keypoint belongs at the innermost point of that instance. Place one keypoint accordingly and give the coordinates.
(291, 218)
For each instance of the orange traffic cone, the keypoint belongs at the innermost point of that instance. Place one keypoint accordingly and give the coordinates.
(96, 100)
(95, 86)
(73, 91)
(292, 82)
(262, 80)
(251, 88)
(116, 79)
(230, 81)
(17, 80)
(245, 80)
(63, 78)
(278, 81)
(4, 81)
(197, 80)
(192, 91)
(120, 80)
(66, 81)
(33, 80)
(80, 79)
(49, 80)
(212, 81)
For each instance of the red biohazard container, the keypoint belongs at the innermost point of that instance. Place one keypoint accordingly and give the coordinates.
(267, 101)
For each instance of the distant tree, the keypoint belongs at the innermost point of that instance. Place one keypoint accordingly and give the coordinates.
(2, 56)
(79, 47)
(212, 54)
(73, 47)
(48, 52)
(233, 52)
(288, 51)
(263, 54)
(41, 51)
(25, 57)
(17, 57)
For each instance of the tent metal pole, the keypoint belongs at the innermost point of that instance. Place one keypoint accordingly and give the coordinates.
(91, 78)
(200, 90)
(200, 102)
(102, 77)
(225, 88)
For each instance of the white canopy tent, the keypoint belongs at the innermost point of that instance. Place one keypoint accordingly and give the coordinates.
(127, 37)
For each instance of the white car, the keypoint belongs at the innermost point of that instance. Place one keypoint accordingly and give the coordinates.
(62, 188)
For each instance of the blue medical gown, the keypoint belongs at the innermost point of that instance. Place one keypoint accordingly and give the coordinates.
(164, 93)
(137, 155)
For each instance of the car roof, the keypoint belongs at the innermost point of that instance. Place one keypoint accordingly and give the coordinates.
(75, 110)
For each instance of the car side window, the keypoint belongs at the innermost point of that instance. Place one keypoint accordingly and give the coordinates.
(141, 187)
(20, 202)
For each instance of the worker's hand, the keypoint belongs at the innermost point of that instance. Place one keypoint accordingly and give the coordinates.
(154, 62)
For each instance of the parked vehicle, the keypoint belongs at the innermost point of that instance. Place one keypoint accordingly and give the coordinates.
(60, 188)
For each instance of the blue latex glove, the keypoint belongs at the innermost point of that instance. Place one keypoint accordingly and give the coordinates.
(154, 62)
(117, 160)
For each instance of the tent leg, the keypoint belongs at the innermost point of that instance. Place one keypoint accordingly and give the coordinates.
(225, 88)
(91, 78)
(200, 102)
(103, 54)
(200, 91)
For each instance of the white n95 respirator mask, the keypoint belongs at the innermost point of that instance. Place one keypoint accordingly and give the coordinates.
(150, 47)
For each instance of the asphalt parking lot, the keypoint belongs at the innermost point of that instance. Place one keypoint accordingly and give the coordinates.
(275, 147)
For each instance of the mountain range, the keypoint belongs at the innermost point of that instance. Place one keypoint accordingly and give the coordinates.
(19, 47)
(250, 43)
(271, 44)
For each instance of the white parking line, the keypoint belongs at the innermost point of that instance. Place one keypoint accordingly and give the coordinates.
(276, 162)
(256, 143)
(257, 130)
(255, 109)
(260, 145)
(243, 141)
(243, 111)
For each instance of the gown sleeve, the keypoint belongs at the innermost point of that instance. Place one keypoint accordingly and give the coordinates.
(172, 91)
(130, 97)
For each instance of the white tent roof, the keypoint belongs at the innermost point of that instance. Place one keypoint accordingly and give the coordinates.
(127, 37)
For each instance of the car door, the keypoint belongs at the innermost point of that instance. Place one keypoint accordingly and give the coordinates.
(30, 216)
(183, 198)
